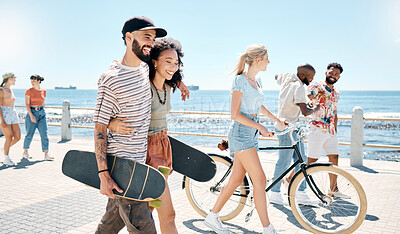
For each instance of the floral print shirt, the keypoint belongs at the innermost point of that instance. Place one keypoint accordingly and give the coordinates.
(328, 99)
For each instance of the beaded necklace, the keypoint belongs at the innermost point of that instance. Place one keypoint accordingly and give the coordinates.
(158, 95)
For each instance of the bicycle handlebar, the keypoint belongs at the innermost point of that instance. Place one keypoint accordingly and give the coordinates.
(289, 128)
(301, 132)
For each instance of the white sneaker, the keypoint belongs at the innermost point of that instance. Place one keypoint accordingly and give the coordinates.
(212, 221)
(285, 184)
(26, 155)
(304, 199)
(269, 230)
(338, 194)
(47, 157)
(276, 198)
(7, 161)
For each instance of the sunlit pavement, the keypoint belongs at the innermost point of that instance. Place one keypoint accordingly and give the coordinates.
(35, 197)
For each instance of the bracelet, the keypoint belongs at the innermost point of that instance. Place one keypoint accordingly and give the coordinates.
(102, 171)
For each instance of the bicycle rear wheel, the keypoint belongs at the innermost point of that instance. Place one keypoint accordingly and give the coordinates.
(203, 195)
(338, 214)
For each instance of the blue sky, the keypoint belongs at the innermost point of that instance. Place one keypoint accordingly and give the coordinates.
(73, 42)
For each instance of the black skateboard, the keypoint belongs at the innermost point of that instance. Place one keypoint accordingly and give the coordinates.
(191, 162)
(138, 181)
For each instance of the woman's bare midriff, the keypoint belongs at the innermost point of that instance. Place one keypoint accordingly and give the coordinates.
(8, 98)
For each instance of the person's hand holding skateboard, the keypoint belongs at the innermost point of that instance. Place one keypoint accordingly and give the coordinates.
(107, 185)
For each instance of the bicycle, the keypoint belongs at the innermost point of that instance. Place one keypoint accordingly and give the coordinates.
(328, 215)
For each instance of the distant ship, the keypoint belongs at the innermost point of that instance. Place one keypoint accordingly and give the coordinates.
(193, 87)
(70, 87)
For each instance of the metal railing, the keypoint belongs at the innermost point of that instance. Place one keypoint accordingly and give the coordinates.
(357, 123)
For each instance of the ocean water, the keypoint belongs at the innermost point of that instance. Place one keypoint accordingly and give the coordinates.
(375, 104)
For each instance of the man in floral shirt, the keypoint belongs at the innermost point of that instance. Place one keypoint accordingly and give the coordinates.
(323, 124)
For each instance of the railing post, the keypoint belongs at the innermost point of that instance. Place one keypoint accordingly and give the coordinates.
(66, 134)
(357, 137)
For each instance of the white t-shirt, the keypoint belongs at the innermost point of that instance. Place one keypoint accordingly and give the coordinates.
(292, 93)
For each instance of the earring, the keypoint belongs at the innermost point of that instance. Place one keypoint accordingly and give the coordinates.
(155, 68)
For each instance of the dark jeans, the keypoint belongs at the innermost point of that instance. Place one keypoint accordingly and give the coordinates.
(120, 212)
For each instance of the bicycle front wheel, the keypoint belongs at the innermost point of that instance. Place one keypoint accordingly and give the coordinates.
(203, 195)
(337, 214)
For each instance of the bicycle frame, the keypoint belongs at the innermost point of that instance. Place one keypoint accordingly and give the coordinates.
(298, 161)
(303, 167)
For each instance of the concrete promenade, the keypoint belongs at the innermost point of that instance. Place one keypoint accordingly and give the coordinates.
(35, 197)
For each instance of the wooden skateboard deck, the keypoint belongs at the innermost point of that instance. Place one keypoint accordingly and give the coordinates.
(191, 162)
(138, 181)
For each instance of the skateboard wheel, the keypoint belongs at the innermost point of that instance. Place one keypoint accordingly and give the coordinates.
(164, 170)
(155, 203)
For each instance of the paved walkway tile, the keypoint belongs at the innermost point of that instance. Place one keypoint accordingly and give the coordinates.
(35, 197)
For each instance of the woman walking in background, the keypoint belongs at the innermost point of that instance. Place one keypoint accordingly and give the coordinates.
(164, 74)
(9, 117)
(247, 99)
(36, 117)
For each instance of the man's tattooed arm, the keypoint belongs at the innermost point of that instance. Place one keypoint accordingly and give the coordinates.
(107, 184)
(100, 142)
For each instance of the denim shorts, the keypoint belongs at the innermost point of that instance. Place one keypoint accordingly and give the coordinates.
(242, 137)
